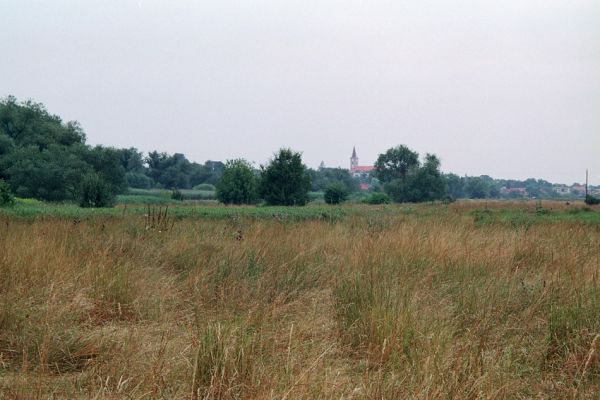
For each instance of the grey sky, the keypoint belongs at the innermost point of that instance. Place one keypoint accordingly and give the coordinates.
(507, 88)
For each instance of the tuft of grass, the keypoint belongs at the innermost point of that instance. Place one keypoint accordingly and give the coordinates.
(223, 366)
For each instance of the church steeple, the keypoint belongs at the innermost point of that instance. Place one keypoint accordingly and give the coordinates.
(353, 159)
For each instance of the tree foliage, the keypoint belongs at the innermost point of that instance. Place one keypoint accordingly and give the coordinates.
(96, 192)
(237, 184)
(476, 188)
(456, 186)
(285, 180)
(406, 180)
(45, 158)
(335, 193)
(177, 172)
(396, 163)
(6, 196)
(321, 178)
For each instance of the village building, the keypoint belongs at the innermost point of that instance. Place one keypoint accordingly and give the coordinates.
(561, 189)
(359, 171)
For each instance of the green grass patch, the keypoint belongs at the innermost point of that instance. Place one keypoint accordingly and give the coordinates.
(525, 217)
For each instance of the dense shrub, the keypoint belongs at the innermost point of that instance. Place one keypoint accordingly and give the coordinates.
(335, 193)
(377, 198)
(237, 184)
(6, 196)
(95, 192)
(177, 195)
(591, 200)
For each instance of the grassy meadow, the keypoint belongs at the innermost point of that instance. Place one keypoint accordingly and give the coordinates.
(468, 300)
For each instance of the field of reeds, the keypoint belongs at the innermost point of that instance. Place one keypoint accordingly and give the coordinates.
(468, 300)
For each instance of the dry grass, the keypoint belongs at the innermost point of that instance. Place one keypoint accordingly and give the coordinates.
(430, 305)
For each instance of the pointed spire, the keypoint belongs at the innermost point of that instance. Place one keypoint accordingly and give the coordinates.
(353, 159)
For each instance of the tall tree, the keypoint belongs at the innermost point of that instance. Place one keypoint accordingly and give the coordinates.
(285, 181)
(456, 186)
(476, 188)
(237, 184)
(405, 180)
(396, 163)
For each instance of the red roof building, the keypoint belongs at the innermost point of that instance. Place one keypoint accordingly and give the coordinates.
(363, 168)
(359, 171)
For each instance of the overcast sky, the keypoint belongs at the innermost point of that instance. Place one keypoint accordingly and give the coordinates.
(506, 88)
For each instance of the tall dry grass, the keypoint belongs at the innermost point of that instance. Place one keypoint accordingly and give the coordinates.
(372, 306)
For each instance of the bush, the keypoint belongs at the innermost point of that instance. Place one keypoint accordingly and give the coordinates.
(95, 192)
(591, 200)
(177, 195)
(6, 196)
(335, 193)
(377, 198)
(205, 187)
(237, 184)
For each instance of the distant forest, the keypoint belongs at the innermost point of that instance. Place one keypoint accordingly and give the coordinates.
(43, 157)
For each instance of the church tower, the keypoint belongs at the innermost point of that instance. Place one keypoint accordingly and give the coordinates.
(353, 160)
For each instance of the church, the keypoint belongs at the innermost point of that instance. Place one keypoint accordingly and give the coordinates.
(359, 171)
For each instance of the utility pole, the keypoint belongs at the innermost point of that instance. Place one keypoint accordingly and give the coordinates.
(586, 183)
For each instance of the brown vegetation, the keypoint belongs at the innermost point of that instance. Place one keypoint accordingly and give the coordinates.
(396, 305)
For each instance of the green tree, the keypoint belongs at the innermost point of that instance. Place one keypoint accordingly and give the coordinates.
(167, 171)
(285, 180)
(396, 163)
(138, 180)
(132, 160)
(323, 177)
(456, 186)
(406, 180)
(6, 196)
(53, 174)
(106, 162)
(177, 172)
(476, 188)
(427, 182)
(237, 184)
(136, 172)
(43, 157)
(335, 193)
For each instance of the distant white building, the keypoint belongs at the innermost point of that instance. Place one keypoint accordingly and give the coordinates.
(561, 189)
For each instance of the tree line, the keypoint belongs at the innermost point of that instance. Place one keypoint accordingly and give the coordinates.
(43, 157)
